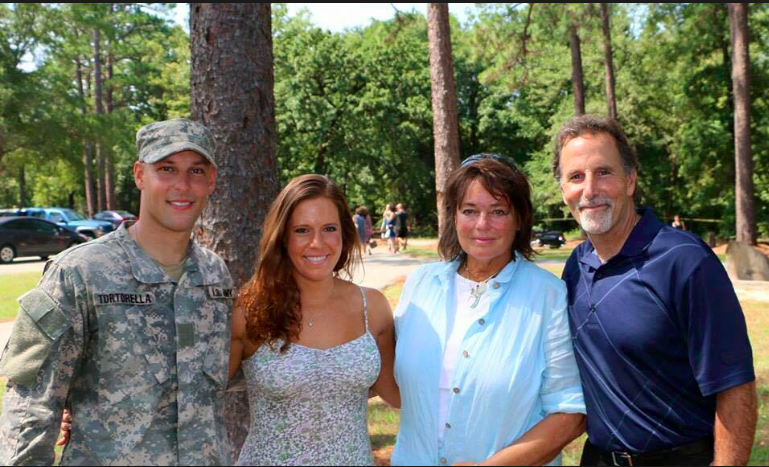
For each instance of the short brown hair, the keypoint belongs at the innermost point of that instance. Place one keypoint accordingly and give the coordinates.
(591, 125)
(271, 299)
(502, 181)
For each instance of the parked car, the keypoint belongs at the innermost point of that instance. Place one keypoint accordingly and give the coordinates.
(550, 238)
(116, 218)
(11, 212)
(71, 219)
(25, 236)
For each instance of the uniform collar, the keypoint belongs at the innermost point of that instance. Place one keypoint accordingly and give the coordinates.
(642, 236)
(148, 271)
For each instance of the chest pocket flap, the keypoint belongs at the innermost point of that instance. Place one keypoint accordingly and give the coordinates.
(38, 326)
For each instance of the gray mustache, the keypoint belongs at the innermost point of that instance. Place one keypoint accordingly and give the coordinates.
(599, 201)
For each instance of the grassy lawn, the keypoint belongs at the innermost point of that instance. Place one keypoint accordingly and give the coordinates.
(383, 424)
(547, 254)
(422, 251)
(15, 286)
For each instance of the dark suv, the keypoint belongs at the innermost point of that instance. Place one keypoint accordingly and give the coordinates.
(26, 236)
(550, 238)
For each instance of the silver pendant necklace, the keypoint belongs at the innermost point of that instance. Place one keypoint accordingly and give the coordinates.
(311, 321)
(478, 292)
(480, 289)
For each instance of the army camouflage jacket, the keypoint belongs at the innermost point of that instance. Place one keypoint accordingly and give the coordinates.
(141, 362)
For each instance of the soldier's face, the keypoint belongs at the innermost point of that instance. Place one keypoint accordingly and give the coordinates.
(315, 239)
(175, 190)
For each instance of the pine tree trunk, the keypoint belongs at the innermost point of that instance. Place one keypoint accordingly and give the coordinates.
(744, 190)
(577, 80)
(444, 101)
(232, 94)
(611, 99)
(109, 159)
(22, 187)
(101, 182)
(90, 194)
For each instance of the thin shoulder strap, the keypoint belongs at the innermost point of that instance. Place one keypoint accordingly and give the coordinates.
(365, 306)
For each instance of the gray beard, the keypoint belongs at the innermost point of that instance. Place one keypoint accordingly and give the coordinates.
(597, 223)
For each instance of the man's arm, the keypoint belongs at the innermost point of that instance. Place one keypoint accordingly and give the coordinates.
(736, 417)
(40, 361)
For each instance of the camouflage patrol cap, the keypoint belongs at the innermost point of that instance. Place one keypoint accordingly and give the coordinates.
(156, 141)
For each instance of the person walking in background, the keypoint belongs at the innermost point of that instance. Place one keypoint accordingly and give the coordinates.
(659, 334)
(388, 229)
(402, 226)
(312, 344)
(678, 223)
(484, 358)
(363, 225)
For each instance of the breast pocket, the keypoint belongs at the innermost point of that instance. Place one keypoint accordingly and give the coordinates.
(131, 363)
(212, 329)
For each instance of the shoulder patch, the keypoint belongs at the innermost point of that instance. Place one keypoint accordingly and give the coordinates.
(39, 324)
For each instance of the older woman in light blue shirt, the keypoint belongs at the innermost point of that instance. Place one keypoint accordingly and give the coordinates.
(484, 358)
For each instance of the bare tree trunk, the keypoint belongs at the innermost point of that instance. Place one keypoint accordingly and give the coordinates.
(577, 80)
(444, 99)
(232, 94)
(611, 99)
(109, 177)
(744, 190)
(22, 187)
(90, 195)
(101, 181)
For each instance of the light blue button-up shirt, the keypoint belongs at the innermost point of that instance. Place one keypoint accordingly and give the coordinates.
(516, 364)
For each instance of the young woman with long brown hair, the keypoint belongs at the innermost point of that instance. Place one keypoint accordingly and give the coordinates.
(311, 344)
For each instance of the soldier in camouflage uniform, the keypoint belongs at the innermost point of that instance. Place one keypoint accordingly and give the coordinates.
(135, 347)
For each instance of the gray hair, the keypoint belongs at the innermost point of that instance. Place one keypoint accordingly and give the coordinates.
(590, 124)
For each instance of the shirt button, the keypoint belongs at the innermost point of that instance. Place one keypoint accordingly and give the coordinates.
(592, 309)
(599, 275)
(448, 426)
(456, 390)
(496, 285)
(466, 354)
(481, 321)
(444, 461)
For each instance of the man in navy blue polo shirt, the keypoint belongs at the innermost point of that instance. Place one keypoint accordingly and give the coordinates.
(658, 332)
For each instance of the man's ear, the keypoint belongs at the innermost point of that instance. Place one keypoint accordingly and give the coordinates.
(139, 173)
(212, 181)
(632, 183)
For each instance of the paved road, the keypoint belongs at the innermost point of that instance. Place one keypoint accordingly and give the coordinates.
(23, 265)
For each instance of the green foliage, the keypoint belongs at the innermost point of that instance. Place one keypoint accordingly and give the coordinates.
(356, 105)
(145, 63)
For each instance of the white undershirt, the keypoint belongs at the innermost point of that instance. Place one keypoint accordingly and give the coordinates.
(460, 320)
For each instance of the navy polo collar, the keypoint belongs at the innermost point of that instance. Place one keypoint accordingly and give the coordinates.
(640, 239)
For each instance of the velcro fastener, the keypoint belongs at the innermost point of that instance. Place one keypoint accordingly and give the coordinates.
(43, 310)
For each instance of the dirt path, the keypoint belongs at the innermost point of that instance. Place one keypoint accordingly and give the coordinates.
(752, 290)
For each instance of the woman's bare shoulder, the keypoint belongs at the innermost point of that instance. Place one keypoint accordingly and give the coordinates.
(379, 311)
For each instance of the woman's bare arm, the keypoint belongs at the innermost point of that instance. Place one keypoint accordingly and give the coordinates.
(542, 443)
(237, 341)
(382, 328)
